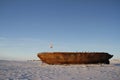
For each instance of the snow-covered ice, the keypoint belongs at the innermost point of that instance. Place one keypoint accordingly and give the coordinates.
(35, 70)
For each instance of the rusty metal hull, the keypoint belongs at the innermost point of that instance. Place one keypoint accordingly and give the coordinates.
(74, 57)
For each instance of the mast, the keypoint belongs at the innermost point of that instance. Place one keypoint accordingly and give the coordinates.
(51, 45)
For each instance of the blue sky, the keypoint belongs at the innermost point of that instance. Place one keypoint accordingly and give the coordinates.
(29, 26)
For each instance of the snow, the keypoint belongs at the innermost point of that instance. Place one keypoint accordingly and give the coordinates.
(35, 70)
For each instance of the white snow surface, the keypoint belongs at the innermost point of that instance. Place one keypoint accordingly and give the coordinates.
(35, 70)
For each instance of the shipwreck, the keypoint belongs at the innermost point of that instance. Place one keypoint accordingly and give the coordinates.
(75, 57)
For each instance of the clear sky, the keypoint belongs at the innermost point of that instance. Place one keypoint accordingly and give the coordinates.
(30, 26)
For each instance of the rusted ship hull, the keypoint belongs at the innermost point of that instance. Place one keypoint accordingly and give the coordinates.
(74, 57)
